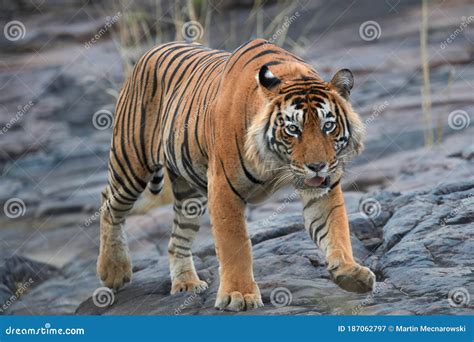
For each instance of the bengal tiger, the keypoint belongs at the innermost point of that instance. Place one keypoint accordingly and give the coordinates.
(230, 129)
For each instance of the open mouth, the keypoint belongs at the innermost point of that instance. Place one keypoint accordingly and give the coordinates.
(317, 182)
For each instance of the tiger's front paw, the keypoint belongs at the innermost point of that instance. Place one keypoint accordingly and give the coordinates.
(353, 278)
(114, 267)
(235, 300)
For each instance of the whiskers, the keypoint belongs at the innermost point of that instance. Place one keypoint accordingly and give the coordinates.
(297, 170)
(276, 169)
(284, 175)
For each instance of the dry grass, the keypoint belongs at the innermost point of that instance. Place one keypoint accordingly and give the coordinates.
(426, 91)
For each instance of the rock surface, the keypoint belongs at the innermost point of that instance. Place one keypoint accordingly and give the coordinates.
(410, 207)
(419, 244)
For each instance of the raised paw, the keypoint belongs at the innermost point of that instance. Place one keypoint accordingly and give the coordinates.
(353, 278)
(196, 286)
(114, 269)
(239, 301)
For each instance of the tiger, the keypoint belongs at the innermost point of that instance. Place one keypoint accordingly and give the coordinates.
(229, 129)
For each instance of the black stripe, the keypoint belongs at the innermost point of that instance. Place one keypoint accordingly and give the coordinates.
(273, 63)
(316, 231)
(185, 248)
(159, 62)
(260, 54)
(180, 255)
(243, 53)
(234, 190)
(179, 63)
(310, 203)
(155, 191)
(177, 236)
(335, 184)
(116, 160)
(322, 236)
(143, 144)
(246, 171)
(185, 226)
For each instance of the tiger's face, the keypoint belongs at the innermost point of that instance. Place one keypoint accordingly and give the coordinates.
(310, 130)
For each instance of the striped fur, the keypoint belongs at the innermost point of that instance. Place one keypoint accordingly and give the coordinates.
(230, 128)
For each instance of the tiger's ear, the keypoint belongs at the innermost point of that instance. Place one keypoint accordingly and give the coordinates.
(266, 79)
(342, 82)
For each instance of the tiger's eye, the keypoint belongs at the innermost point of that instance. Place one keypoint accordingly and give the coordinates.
(329, 126)
(292, 130)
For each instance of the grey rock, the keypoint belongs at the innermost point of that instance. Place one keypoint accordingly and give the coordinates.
(417, 263)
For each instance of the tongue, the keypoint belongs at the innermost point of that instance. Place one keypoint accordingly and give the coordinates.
(315, 181)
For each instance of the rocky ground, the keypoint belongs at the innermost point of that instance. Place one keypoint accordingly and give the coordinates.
(410, 207)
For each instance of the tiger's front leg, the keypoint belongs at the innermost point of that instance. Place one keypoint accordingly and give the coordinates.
(237, 289)
(326, 221)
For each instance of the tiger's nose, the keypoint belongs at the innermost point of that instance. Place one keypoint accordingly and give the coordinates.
(316, 167)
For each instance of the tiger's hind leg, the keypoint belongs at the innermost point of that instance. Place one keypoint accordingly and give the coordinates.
(189, 206)
(114, 265)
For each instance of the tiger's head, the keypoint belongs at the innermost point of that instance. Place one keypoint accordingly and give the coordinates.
(306, 130)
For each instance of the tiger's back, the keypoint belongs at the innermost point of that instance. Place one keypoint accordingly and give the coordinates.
(162, 107)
